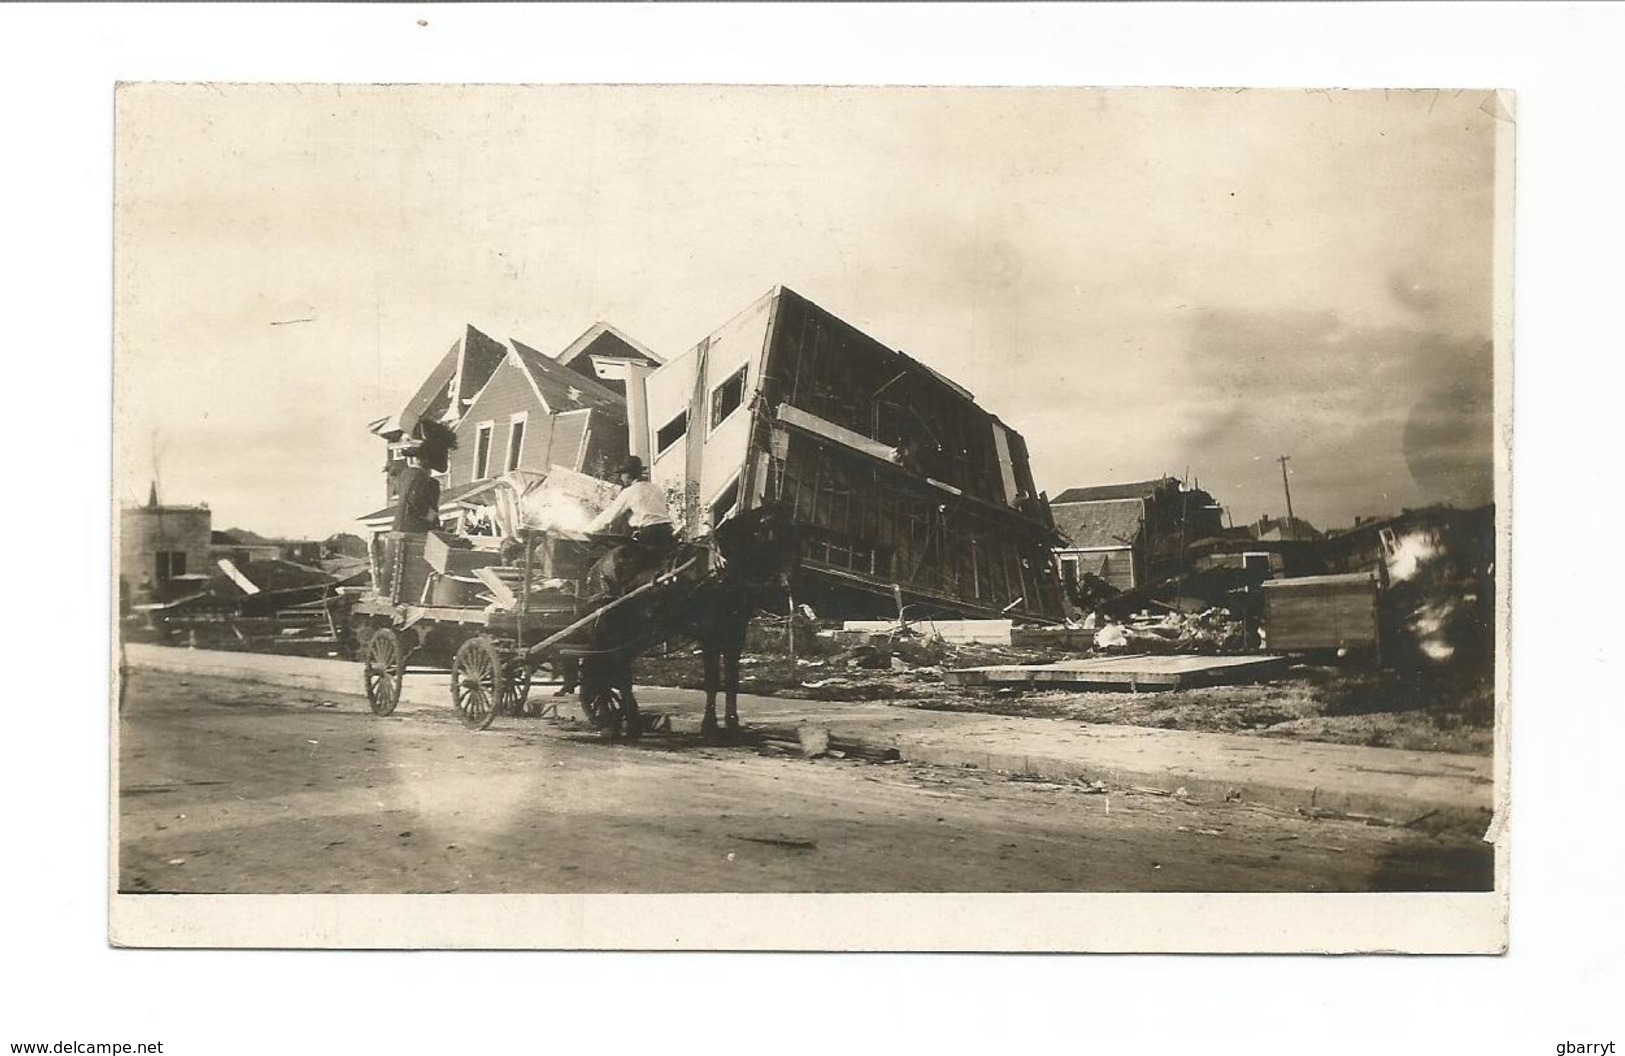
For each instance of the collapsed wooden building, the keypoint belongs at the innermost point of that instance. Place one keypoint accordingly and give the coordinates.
(908, 492)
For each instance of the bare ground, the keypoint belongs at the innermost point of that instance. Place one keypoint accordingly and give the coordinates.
(229, 787)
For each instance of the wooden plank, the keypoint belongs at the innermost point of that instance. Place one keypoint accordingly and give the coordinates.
(499, 590)
(837, 433)
(1150, 672)
(985, 632)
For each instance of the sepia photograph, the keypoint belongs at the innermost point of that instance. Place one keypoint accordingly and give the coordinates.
(619, 491)
(827, 527)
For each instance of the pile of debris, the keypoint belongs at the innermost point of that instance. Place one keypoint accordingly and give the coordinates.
(1211, 631)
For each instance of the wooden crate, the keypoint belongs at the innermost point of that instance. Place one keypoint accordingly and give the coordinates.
(399, 569)
(451, 556)
(1321, 612)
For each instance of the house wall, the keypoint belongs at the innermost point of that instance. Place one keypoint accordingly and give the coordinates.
(145, 530)
(739, 344)
(509, 392)
(1119, 564)
(592, 441)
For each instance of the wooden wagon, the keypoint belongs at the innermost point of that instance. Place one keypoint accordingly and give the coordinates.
(489, 611)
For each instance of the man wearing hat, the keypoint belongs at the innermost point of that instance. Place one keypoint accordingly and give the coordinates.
(417, 504)
(639, 511)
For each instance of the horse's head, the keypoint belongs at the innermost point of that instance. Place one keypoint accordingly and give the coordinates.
(760, 545)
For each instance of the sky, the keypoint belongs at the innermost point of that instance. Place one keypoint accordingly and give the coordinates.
(1142, 282)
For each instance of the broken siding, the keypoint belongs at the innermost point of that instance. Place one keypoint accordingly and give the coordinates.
(877, 521)
(963, 544)
(829, 368)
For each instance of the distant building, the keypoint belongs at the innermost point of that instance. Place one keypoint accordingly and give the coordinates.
(241, 546)
(163, 550)
(1130, 535)
(1284, 529)
(343, 544)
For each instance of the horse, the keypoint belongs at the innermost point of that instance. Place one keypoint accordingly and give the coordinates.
(752, 556)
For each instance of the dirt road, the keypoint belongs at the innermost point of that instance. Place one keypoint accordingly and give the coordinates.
(244, 788)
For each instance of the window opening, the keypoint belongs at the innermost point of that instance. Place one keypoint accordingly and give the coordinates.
(724, 506)
(671, 432)
(482, 452)
(726, 398)
(516, 443)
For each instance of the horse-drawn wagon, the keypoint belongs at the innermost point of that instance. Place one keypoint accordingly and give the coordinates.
(491, 609)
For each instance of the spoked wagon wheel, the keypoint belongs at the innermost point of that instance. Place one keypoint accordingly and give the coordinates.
(383, 665)
(479, 689)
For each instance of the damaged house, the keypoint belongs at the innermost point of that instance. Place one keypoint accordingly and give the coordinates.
(907, 491)
(1131, 535)
(513, 407)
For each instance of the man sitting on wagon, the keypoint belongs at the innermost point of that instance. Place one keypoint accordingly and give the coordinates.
(641, 515)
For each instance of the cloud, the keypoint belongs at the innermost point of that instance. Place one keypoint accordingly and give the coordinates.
(1413, 292)
(1448, 437)
(1373, 419)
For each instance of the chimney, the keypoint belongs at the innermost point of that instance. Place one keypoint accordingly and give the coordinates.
(635, 374)
(152, 496)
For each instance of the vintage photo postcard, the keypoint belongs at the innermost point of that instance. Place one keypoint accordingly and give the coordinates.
(811, 518)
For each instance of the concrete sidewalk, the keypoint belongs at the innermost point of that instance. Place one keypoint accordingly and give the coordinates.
(1386, 783)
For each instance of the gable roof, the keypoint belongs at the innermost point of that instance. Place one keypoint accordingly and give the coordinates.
(433, 397)
(1107, 492)
(1111, 522)
(561, 388)
(602, 339)
(461, 373)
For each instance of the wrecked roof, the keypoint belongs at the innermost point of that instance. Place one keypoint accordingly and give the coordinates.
(1107, 492)
(565, 389)
(275, 576)
(1110, 523)
(462, 371)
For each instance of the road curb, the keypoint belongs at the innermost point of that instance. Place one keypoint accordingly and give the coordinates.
(1309, 799)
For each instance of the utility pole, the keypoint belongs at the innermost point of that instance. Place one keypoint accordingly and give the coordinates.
(1289, 518)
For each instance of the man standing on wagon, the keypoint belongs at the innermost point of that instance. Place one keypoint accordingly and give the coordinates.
(641, 513)
(417, 508)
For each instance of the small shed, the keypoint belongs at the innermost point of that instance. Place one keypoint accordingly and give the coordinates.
(1322, 612)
